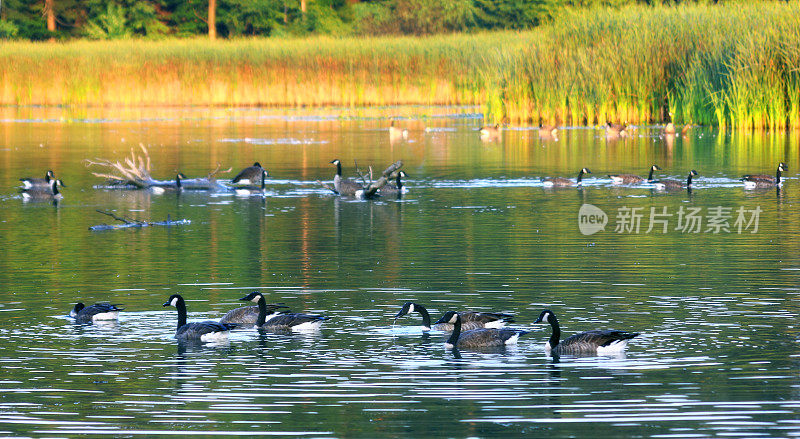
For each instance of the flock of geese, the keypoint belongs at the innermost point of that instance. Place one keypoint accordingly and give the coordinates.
(468, 329)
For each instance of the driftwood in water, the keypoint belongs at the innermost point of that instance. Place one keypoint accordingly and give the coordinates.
(128, 223)
(134, 171)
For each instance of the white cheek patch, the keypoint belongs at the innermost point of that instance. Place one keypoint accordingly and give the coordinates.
(544, 319)
(255, 299)
(411, 308)
(174, 302)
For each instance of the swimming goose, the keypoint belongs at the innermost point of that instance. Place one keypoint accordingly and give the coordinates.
(30, 183)
(248, 315)
(99, 311)
(632, 178)
(345, 186)
(669, 128)
(44, 193)
(282, 321)
(547, 130)
(616, 129)
(564, 182)
(253, 189)
(598, 341)
(470, 319)
(397, 133)
(490, 132)
(478, 338)
(764, 180)
(208, 330)
(395, 189)
(249, 175)
(673, 185)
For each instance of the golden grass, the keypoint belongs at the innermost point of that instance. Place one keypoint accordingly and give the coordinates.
(728, 65)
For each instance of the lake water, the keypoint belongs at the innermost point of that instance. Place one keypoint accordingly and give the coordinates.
(718, 353)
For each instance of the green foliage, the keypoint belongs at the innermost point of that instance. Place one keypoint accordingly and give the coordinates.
(110, 25)
(8, 30)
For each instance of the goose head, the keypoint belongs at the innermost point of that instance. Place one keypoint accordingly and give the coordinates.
(449, 317)
(544, 316)
(173, 300)
(407, 308)
(78, 307)
(693, 173)
(335, 162)
(655, 168)
(255, 296)
(782, 167)
(585, 171)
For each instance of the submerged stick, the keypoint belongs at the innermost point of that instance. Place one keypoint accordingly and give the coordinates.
(128, 223)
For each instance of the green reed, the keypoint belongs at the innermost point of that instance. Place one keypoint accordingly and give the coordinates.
(732, 65)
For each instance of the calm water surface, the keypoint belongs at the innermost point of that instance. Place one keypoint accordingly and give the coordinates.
(717, 356)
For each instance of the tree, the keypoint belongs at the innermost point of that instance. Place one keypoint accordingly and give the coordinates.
(212, 19)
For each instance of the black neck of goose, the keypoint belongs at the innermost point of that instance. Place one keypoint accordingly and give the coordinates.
(399, 182)
(426, 318)
(339, 169)
(263, 180)
(262, 311)
(453, 340)
(181, 305)
(778, 176)
(689, 180)
(555, 337)
(54, 185)
(580, 176)
(650, 175)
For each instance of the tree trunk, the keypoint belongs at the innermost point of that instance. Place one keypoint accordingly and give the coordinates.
(303, 7)
(50, 13)
(212, 19)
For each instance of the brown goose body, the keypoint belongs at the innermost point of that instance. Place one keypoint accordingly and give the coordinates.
(548, 130)
(478, 338)
(633, 178)
(674, 185)
(594, 342)
(345, 186)
(469, 319)
(566, 182)
(616, 129)
(765, 180)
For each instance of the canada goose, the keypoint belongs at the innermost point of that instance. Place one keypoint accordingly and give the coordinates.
(686, 128)
(669, 128)
(673, 185)
(478, 338)
(564, 182)
(208, 330)
(30, 183)
(394, 189)
(252, 188)
(199, 184)
(345, 186)
(469, 319)
(99, 311)
(547, 130)
(284, 321)
(490, 132)
(397, 133)
(632, 178)
(598, 341)
(764, 180)
(44, 193)
(616, 130)
(249, 175)
(248, 315)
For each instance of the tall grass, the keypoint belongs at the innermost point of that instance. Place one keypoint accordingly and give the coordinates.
(728, 65)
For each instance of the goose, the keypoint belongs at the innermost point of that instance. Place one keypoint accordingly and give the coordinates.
(547, 130)
(30, 183)
(208, 330)
(397, 188)
(564, 182)
(673, 185)
(616, 130)
(248, 315)
(282, 321)
(632, 178)
(469, 319)
(99, 311)
(490, 132)
(345, 186)
(249, 175)
(598, 341)
(764, 180)
(685, 129)
(43, 194)
(397, 133)
(253, 189)
(669, 128)
(478, 338)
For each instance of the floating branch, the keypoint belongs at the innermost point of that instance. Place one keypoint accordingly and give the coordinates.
(128, 223)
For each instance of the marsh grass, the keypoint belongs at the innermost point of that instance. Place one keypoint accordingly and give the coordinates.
(736, 65)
